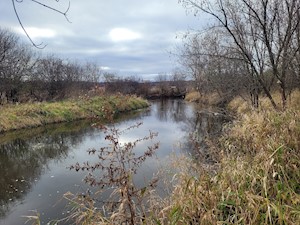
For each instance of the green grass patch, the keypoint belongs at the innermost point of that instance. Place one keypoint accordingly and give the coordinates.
(13, 117)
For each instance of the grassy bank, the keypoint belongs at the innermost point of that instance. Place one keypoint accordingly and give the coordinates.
(13, 117)
(207, 100)
(258, 180)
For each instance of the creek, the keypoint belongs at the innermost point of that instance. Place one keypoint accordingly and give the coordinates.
(33, 162)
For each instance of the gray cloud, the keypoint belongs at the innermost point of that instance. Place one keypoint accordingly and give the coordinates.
(153, 26)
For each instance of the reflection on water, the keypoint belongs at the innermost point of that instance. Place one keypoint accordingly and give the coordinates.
(24, 156)
(206, 127)
(175, 110)
(33, 173)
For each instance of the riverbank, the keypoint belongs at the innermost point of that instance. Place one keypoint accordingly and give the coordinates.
(14, 117)
(258, 175)
(212, 100)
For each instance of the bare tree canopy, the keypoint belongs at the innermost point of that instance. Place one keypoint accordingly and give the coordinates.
(27, 76)
(264, 33)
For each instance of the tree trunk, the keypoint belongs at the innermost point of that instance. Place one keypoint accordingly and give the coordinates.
(283, 95)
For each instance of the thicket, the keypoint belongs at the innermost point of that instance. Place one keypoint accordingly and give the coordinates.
(26, 76)
(163, 86)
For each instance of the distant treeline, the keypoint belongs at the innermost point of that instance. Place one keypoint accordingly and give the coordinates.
(26, 76)
(174, 85)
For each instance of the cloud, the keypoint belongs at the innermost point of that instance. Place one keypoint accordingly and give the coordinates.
(105, 68)
(132, 39)
(123, 34)
(35, 32)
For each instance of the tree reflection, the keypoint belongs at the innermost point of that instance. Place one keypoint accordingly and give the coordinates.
(204, 128)
(174, 110)
(24, 156)
(200, 126)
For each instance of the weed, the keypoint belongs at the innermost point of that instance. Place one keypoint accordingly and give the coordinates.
(117, 163)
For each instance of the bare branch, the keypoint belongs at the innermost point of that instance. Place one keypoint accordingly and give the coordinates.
(55, 10)
(64, 13)
(39, 46)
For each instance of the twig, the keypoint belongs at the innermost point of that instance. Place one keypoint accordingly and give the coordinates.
(41, 45)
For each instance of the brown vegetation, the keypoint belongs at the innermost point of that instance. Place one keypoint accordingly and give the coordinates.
(258, 176)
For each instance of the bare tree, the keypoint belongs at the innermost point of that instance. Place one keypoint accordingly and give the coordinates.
(262, 31)
(214, 67)
(16, 64)
(125, 85)
(178, 80)
(50, 70)
(92, 72)
(8, 42)
(162, 80)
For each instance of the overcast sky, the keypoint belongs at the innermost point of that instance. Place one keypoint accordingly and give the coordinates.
(128, 37)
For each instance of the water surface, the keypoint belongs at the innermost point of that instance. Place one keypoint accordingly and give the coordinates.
(33, 162)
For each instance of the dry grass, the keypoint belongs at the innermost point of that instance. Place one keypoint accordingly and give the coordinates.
(258, 181)
(265, 129)
(193, 96)
(13, 117)
(258, 190)
(207, 100)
